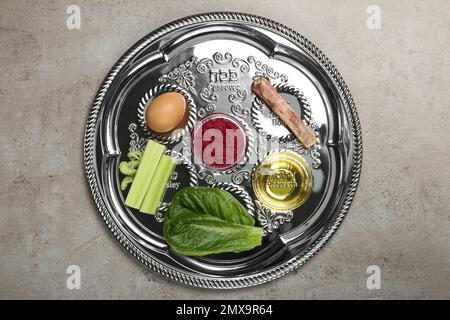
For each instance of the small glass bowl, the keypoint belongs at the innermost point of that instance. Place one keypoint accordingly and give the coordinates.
(225, 165)
(282, 181)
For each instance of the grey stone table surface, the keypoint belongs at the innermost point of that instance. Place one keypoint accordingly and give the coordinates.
(399, 76)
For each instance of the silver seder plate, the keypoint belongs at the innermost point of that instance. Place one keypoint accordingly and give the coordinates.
(212, 59)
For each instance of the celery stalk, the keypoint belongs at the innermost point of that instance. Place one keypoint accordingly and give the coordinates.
(144, 174)
(157, 188)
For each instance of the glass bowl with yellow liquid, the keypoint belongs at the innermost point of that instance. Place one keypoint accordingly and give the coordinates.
(282, 181)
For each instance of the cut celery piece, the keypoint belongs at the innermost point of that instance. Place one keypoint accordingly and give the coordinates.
(125, 182)
(128, 168)
(144, 174)
(157, 188)
(135, 155)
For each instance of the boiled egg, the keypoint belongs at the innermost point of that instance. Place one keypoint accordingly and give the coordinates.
(166, 112)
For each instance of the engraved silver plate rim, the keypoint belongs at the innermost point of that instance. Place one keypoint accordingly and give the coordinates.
(258, 277)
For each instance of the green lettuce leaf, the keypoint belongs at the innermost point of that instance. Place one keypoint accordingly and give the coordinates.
(194, 234)
(202, 220)
(212, 201)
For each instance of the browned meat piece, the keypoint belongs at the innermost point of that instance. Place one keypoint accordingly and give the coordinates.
(263, 89)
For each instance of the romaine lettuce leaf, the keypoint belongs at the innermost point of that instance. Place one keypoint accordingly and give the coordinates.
(212, 201)
(203, 220)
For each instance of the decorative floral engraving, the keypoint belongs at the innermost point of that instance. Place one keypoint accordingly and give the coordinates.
(223, 77)
(240, 176)
(204, 65)
(202, 112)
(182, 75)
(236, 99)
(223, 58)
(206, 176)
(265, 70)
(271, 220)
(240, 111)
(261, 149)
(207, 96)
(160, 212)
(136, 143)
(241, 64)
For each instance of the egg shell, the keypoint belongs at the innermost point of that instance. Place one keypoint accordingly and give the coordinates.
(165, 112)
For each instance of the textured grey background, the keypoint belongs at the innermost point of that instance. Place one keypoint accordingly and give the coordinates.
(399, 77)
